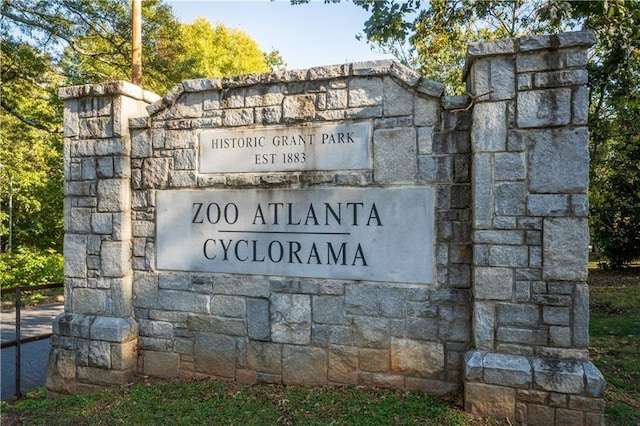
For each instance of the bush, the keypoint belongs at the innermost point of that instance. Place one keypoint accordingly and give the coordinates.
(26, 267)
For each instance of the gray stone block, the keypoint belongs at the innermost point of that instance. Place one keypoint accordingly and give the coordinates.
(174, 281)
(430, 87)
(320, 335)
(482, 182)
(115, 258)
(370, 332)
(543, 108)
(75, 253)
(89, 301)
(512, 256)
(340, 335)
(328, 309)
(397, 100)
(490, 48)
(493, 283)
(552, 151)
(556, 315)
(111, 329)
(484, 325)
(417, 358)
(518, 314)
(228, 306)
(304, 365)
(548, 204)
(524, 336)
(184, 301)
(426, 112)
(499, 237)
(425, 140)
(365, 92)
(216, 325)
(555, 41)
(264, 357)
(594, 379)
(510, 198)
(502, 79)
(102, 223)
(560, 78)
(395, 155)
(454, 324)
(298, 108)
(291, 318)
(558, 376)
(489, 132)
(159, 329)
(361, 300)
(423, 328)
(565, 249)
(581, 316)
(560, 336)
(391, 302)
(473, 367)
(343, 365)
(510, 166)
(214, 354)
(507, 370)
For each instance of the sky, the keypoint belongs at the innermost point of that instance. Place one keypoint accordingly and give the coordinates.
(306, 35)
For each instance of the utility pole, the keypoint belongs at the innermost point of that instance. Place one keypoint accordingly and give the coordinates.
(136, 41)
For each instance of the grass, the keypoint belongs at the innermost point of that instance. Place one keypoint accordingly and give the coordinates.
(614, 349)
(178, 402)
(615, 340)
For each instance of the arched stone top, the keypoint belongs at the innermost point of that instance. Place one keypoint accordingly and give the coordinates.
(391, 68)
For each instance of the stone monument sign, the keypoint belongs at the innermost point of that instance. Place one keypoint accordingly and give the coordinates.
(342, 225)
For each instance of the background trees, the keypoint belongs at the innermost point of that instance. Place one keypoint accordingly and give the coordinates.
(431, 37)
(50, 44)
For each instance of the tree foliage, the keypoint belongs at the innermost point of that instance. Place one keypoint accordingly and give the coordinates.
(219, 51)
(48, 44)
(431, 37)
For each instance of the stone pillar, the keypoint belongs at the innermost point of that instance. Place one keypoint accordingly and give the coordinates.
(529, 361)
(95, 339)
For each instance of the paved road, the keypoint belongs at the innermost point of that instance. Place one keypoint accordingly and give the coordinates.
(34, 356)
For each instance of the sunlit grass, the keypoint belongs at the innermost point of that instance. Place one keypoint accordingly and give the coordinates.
(615, 340)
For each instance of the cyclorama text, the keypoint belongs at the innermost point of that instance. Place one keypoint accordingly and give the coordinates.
(287, 252)
(283, 140)
(292, 215)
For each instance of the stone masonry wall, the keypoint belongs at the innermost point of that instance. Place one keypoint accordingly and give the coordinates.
(253, 328)
(530, 233)
(507, 315)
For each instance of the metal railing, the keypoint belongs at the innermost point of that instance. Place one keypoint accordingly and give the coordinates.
(18, 341)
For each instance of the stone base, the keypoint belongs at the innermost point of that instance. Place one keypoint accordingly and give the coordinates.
(90, 352)
(534, 391)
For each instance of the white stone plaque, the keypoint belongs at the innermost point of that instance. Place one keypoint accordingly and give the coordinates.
(377, 234)
(328, 147)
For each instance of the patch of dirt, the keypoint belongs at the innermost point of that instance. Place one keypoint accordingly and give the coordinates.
(624, 277)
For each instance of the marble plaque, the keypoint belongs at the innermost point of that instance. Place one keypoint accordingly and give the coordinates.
(327, 147)
(376, 234)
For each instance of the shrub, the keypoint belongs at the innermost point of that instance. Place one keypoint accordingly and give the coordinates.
(27, 266)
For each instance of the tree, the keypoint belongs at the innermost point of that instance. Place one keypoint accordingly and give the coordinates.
(220, 51)
(31, 147)
(431, 37)
(50, 44)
